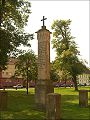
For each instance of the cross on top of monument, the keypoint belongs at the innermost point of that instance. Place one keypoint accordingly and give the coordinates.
(43, 20)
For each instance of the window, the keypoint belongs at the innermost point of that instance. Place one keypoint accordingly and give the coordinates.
(10, 74)
(3, 72)
(6, 73)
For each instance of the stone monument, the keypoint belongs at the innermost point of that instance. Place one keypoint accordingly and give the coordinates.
(43, 84)
(83, 98)
(53, 108)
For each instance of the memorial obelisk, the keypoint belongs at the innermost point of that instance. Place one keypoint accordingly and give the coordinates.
(43, 84)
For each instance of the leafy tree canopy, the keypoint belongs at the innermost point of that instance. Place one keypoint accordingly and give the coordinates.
(66, 49)
(13, 17)
(54, 73)
(27, 65)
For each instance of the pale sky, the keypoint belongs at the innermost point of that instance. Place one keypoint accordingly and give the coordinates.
(77, 11)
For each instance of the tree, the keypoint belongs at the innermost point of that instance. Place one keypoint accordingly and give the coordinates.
(66, 50)
(27, 66)
(13, 17)
(65, 76)
(53, 73)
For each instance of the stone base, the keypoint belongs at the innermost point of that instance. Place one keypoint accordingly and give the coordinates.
(3, 100)
(42, 88)
(53, 109)
(83, 98)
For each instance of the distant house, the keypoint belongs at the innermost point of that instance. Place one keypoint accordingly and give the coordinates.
(84, 78)
(9, 72)
(6, 78)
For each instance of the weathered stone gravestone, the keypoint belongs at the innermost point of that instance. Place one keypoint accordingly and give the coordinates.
(83, 98)
(43, 84)
(53, 108)
(3, 100)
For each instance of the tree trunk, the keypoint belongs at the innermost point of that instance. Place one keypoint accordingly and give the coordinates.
(27, 85)
(65, 83)
(27, 78)
(75, 82)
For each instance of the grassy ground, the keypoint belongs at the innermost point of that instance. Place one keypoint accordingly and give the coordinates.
(22, 106)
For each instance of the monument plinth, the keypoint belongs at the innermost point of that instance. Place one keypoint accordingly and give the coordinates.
(83, 98)
(43, 84)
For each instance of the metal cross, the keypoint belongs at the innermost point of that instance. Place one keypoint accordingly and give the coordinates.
(43, 20)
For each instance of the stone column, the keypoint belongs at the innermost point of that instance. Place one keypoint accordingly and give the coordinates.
(83, 98)
(53, 109)
(43, 84)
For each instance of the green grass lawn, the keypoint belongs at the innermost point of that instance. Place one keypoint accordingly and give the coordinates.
(22, 106)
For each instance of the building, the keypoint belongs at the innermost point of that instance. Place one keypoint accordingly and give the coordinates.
(7, 76)
(6, 79)
(84, 78)
(9, 72)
